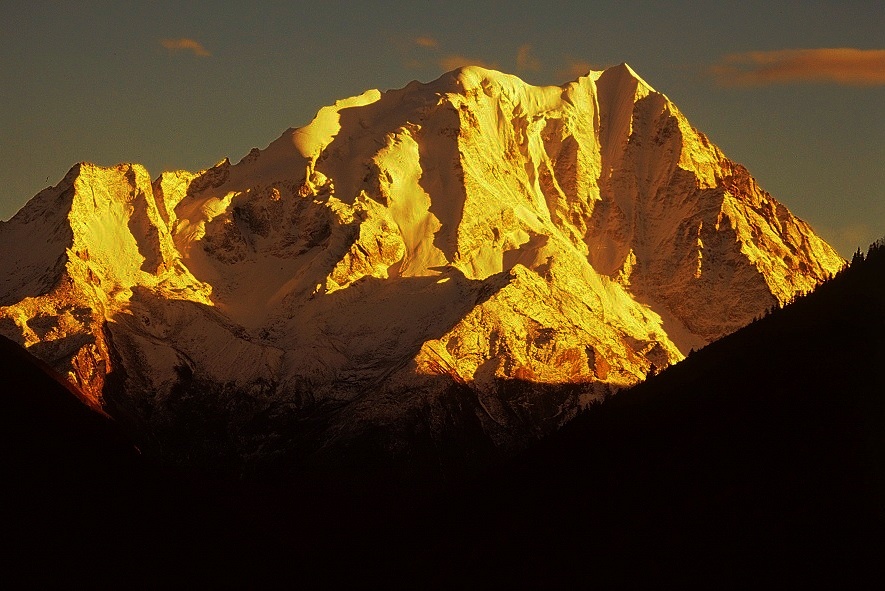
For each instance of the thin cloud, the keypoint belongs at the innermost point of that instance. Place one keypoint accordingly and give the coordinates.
(428, 42)
(185, 44)
(455, 61)
(847, 238)
(525, 60)
(846, 66)
(853, 236)
(576, 69)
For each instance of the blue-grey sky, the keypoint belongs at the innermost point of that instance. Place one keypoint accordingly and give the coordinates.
(181, 85)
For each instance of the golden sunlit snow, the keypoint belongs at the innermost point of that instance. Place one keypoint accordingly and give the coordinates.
(475, 228)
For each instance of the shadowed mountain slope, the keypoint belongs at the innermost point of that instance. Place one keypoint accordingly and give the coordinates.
(759, 458)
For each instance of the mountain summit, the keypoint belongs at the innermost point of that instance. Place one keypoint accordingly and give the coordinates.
(458, 263)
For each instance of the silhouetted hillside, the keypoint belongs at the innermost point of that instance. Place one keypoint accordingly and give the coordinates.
(80, 503)
(762, 455)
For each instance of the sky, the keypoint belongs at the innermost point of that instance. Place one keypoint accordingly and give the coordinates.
(795, 91)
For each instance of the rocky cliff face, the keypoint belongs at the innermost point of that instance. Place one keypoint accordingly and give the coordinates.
(454, 264)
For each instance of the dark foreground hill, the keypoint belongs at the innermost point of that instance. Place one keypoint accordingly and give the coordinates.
(762, 455)
(760, 459)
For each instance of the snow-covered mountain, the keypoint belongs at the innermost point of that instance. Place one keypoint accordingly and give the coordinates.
(450, 266)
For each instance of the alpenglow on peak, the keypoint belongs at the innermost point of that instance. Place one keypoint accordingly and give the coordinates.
(465, 260)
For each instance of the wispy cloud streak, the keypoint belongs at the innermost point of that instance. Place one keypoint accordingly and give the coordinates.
(454, 61)
(185, 44)
(576, 68)
(846, 66)
(525, 60)
(428, 42)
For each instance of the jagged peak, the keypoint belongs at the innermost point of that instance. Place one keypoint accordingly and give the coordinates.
(463, 79)
(623, 73)
(624, 81)
(301, 146)
(83, 172)
(86, 166)
(88, 172)
(624, 69)
(466, 79)
(317, 134)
